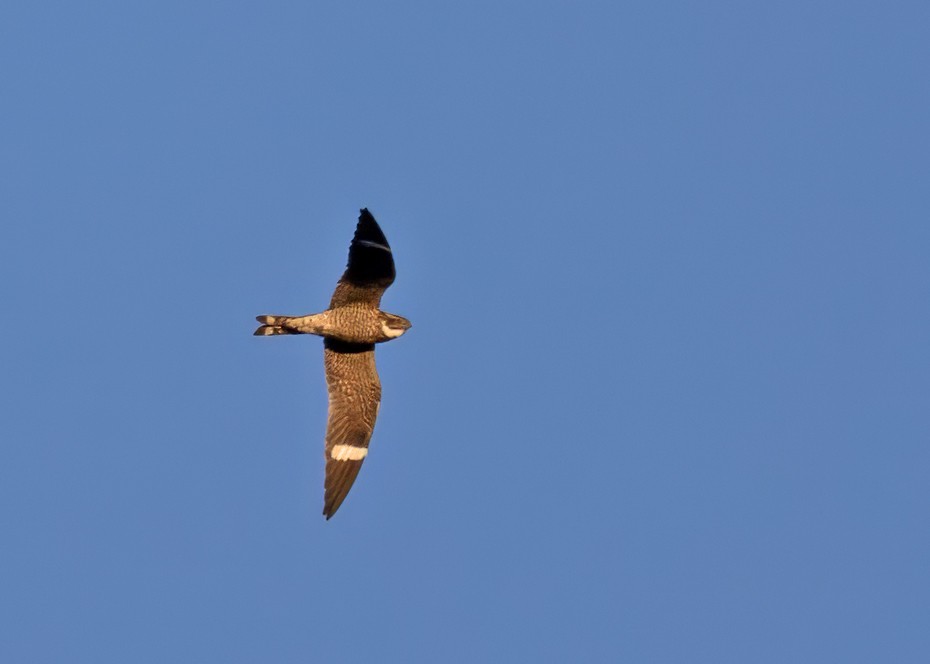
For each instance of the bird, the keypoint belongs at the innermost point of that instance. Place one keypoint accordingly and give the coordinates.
(351, 327)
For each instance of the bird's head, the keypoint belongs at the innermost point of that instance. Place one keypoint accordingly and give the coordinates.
(393, 326)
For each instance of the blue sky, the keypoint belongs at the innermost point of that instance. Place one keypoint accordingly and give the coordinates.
(666, 394)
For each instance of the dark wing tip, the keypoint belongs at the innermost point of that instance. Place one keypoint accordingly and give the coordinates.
(368, 229)
(370, 260)
(340, 476)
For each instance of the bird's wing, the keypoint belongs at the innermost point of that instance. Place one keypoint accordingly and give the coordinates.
(371, 266)
(354, 398)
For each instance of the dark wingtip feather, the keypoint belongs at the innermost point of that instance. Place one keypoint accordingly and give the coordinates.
(368, 229)
(370, 260)
(340, 476)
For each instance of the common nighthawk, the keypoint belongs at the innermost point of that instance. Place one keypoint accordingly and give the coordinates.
(350, 328)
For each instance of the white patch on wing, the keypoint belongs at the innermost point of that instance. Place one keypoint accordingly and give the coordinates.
(376, 245)
(348, 453)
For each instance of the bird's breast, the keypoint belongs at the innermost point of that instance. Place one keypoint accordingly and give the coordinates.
(355, 324)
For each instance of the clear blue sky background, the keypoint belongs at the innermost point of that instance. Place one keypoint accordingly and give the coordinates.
(666, 394)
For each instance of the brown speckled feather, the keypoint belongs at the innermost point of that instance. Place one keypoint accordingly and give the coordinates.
(354, 398)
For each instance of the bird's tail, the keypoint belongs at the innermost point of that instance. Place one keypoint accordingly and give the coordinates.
(273, 325)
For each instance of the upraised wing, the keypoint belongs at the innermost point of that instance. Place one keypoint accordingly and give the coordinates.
(354, 399)
(371, 266)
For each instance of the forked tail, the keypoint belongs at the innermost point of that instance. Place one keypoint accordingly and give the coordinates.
(273, 325)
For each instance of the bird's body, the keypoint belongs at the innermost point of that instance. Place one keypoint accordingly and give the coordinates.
(351, 327)
(353, 323)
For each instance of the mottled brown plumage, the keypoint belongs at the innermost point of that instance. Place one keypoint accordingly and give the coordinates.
(354, 400)
(351, 327)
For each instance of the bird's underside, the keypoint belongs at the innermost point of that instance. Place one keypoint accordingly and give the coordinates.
(350, 328)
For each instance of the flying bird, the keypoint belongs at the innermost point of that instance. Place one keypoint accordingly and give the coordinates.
(350, 328)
